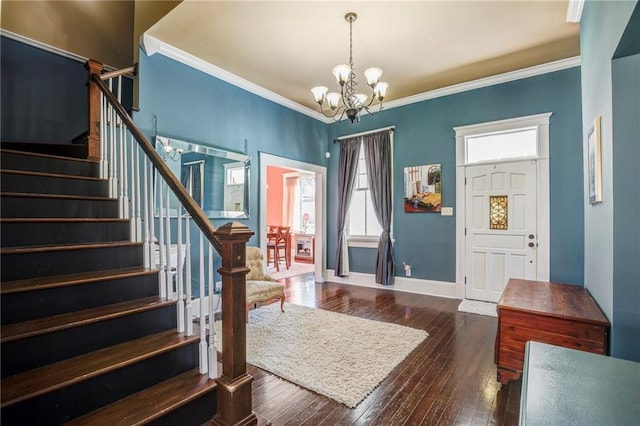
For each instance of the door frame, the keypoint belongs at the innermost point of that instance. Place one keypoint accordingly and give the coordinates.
(320, 172)
(541, 121)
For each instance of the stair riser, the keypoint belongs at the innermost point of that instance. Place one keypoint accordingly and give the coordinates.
(53, 207)
(33, 184)
(59, 262)
(72, 401)
(31, 305)
(33, 352)
(197, 412)
(25, 162)
(20, 234)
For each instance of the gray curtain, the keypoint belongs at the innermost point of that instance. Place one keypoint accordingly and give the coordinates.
(377, 153)
(349, 153)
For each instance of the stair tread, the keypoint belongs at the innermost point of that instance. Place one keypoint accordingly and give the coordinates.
(53, 175)
(42, 380)
(40, 326)
(38, 154)
(64, 247)
(151, 403)
(32, 284)
(55, 196)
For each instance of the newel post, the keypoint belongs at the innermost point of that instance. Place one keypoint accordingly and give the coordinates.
(93, 133)
(234, 385)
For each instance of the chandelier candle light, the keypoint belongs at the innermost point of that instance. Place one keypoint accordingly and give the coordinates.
(352, 101)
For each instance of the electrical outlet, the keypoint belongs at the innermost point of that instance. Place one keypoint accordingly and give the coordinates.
(407, 270)
(446, 211)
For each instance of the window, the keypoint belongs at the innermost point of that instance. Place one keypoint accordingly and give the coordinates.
(300, 197)
(519, 143)
(363, 224)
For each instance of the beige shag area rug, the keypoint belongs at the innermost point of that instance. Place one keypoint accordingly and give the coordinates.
(478, 307)
(337, 355)
(297, 268)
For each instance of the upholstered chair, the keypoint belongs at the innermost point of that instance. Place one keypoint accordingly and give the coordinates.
(260, 286)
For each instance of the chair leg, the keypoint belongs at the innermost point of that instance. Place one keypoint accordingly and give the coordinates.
(282, 303)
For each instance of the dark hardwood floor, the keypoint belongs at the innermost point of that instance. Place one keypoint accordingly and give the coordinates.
(449, 379)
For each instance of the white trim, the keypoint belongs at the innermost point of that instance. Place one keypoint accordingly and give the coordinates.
(559, 65)
(363, 242)
(48, 48)
(321, 214)
(543, 238)
(407, 285)
(574, 10)
(152, 45)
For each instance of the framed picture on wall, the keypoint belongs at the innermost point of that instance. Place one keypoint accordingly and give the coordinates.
(423, 189)
(594, 162)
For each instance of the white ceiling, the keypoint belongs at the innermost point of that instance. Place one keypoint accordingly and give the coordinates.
(287, 47)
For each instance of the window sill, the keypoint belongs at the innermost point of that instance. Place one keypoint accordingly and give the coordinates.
(363, 242)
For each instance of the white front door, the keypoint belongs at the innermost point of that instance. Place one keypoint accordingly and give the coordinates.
(501, 232)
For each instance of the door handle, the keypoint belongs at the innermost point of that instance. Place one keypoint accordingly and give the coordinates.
(531, 244)
(531, 236)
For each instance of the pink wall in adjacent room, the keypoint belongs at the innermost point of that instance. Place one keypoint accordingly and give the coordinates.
(274, 195)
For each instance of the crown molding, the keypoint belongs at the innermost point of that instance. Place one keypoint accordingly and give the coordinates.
(574, 10)
(487, 81)
(152, 45)
(48, 48)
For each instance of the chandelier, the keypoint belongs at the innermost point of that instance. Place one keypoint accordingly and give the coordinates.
(170, 152)
(349, 101)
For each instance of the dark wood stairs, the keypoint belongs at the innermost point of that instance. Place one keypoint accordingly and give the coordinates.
(85, 337)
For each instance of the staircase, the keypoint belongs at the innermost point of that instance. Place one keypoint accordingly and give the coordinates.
(85, 337)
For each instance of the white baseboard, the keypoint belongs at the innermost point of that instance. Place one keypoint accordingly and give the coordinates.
(408, 285)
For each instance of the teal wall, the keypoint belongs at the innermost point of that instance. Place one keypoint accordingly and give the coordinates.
(195, 107)
(424, 135)
(612, 280)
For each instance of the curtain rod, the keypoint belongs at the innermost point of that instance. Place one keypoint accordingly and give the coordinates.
(392, 128)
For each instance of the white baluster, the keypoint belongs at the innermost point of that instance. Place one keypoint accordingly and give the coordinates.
(169, 277)
(180, 304)
(162, 254)
(151, 215)
(145, 214)
(103, 136)
(203, 311)
(138, 199)
(121, 168)
(189, 305)
(213, 356)
(125, 173)
(133, 185)
(112, 139)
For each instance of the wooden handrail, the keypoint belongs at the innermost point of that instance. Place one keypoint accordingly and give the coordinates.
(234, 405)
(187, 201)
(132, 70)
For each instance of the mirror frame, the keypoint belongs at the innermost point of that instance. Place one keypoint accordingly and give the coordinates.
(171, 150)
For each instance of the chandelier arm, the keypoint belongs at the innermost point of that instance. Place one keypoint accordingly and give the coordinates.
(371, 112)
(332, 114)
(341, 115)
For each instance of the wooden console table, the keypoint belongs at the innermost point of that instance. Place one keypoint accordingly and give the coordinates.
(558, 314)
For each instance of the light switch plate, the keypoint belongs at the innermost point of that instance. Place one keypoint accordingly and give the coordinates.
(446, 211)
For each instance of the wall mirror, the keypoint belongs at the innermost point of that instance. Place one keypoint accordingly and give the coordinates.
(217, 179)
